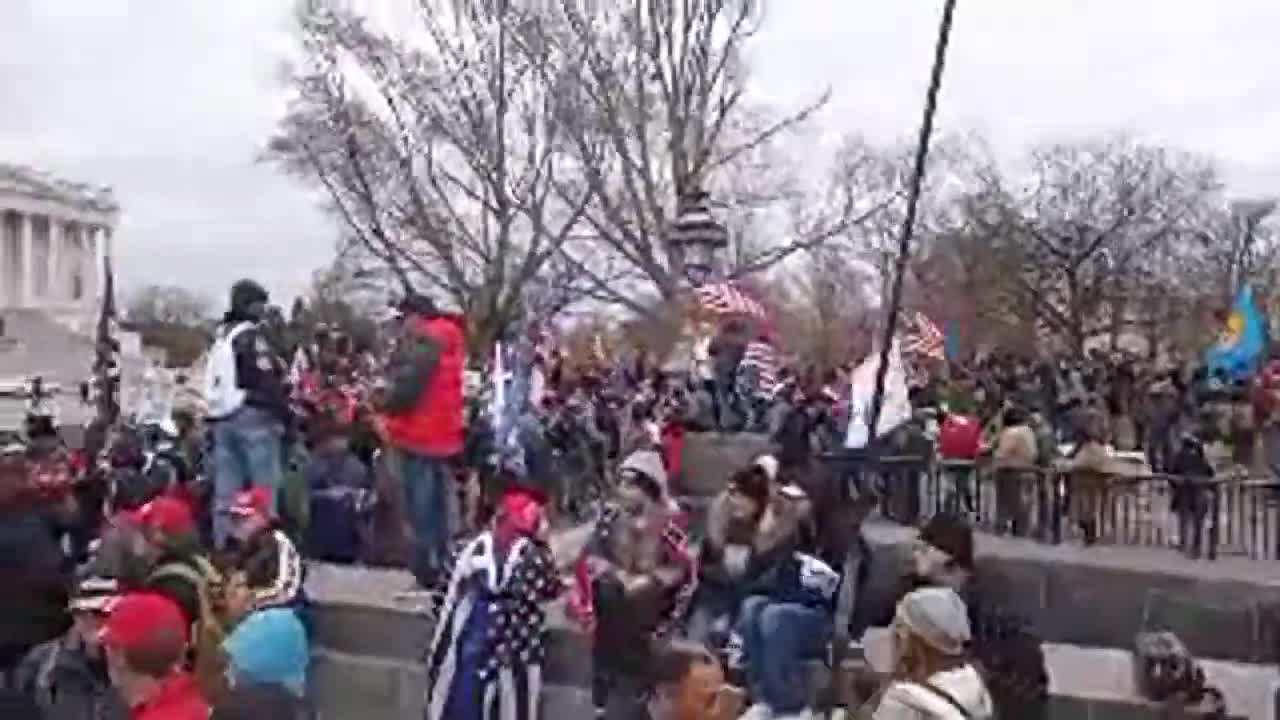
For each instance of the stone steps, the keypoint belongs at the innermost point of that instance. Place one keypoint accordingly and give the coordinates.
(368, 660)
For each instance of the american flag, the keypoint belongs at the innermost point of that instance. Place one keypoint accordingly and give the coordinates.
(923, 338)
(762, 356)
(727, 299)
(106, 363)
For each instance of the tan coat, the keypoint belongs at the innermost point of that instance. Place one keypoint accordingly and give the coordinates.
(1016, 448)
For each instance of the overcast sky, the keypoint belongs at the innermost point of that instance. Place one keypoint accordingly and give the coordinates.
(170, 101)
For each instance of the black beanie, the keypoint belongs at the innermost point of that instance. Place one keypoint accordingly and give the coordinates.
(952, 535)
(245, 293)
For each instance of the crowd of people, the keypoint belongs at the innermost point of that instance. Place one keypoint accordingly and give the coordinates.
(162, 575)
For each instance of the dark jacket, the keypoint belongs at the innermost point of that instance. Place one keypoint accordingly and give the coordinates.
(1192, 475)
(260, 373)
(794, 437)
(67, 685)
(341, 494)
(33, 606)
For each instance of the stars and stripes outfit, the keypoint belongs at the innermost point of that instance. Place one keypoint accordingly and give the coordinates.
(486, 655)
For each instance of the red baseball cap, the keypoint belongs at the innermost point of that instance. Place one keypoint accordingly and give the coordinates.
(256, 501)
(165, 514)
(145, 619)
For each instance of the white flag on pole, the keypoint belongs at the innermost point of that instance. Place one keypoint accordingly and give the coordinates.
(894, 410)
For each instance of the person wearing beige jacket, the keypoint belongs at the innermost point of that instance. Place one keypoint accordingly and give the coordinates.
(1014, 460)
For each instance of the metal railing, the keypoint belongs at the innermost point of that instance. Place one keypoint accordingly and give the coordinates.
(1233, 516)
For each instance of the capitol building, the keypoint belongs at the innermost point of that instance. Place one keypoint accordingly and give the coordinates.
(54, 237)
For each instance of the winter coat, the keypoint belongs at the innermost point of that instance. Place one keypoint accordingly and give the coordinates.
(66, 685)
(425, 399)
(1004, 645)
(260, 373)
(1192, 473)
(776, 566)
(33, 606)
(1016, 448)
(906, 700)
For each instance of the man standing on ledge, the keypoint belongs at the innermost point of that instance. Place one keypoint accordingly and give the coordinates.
(423, 422)
(247, 405)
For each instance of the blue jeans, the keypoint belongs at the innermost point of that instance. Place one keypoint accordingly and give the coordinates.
(776, 637)
(246, 452)
(426, 486)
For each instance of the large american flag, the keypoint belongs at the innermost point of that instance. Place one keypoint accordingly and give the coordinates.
(728, 299)
(762, 356)
(922, 338)
(922, 342)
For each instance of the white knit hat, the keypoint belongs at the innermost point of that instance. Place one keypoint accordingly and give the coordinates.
(937, 616)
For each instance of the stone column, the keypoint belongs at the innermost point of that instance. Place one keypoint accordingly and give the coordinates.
(55, 287)
(26, 296)
(93, 254)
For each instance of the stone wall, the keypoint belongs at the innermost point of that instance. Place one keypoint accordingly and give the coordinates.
(369, 646)
(1228, 609)
(710, 458)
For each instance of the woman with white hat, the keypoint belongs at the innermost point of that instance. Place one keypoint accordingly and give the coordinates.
(932, 676)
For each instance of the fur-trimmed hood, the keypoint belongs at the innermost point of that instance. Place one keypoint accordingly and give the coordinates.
(777, 528)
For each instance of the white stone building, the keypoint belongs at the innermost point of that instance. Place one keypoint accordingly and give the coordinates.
(54, 236)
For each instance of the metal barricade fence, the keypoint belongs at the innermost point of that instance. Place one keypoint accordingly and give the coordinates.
(1232, 516)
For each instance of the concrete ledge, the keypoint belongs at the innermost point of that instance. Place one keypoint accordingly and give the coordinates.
(1228, 609)
(350, 686)
(368, 660)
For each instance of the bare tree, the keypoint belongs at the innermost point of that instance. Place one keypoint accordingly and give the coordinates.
(827, 301)
(168, 304)
(658, 105)
(436, 147)
(1087, 219)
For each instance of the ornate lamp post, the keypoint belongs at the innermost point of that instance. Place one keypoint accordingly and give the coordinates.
(697, 237)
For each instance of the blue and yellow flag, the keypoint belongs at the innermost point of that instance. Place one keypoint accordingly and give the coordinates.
(1243, 342)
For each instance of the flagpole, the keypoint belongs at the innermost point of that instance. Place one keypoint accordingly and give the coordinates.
(909, 221)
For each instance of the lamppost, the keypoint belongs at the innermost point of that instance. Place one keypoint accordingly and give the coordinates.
(697, 238)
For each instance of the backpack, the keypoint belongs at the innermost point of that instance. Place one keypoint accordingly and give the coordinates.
(222, 392)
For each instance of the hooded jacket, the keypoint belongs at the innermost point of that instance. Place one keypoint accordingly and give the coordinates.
(905, 700)
(1003, 643)
(426, 378)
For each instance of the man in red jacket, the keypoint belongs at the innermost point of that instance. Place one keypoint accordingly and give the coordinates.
(423, 422)
(145, 636)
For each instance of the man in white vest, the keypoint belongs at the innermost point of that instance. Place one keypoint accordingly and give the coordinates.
(247, 405)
